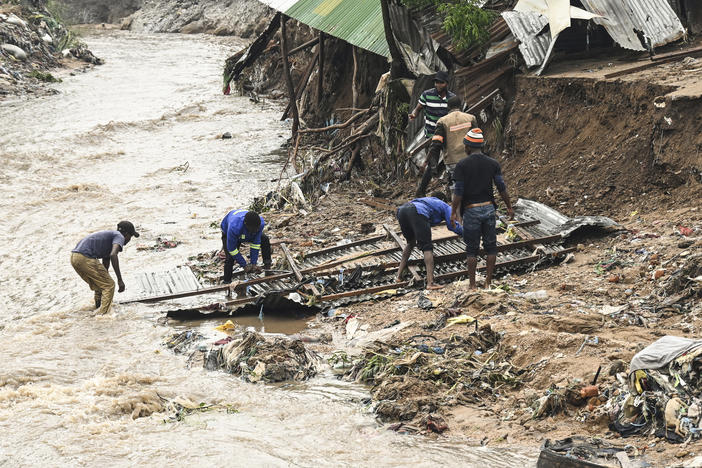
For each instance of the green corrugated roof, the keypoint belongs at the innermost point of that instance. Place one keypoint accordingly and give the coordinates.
(358, 22)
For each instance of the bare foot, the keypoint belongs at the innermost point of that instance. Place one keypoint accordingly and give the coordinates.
(434, 286)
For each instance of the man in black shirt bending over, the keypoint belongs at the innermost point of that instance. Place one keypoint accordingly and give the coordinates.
(473, 199)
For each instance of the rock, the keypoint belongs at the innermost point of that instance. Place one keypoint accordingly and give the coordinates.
(617, 367)
(47, 39)
(226, 136)
(685, 244)
(15, 51)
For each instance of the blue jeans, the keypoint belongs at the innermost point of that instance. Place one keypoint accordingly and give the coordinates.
(477, 222)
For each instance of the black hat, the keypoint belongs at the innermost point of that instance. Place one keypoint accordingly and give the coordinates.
(441, 76)
(125, 227)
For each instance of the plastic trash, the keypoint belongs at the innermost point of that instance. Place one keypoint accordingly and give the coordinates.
(539, 295)
(460, 319)
(228, 325)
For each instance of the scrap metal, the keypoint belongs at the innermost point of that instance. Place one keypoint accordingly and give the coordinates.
(367, 269)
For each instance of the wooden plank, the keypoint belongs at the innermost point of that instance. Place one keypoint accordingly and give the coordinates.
(681, 53)
(291, 262)
(401, 244)
(374, 202)
(358, 292)
(367, 240)
(296, 270)
(639, 68)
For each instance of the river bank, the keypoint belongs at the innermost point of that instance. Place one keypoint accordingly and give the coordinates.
(548, 330)
(139, 138)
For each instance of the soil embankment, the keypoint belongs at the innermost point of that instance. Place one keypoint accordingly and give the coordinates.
(593, 146)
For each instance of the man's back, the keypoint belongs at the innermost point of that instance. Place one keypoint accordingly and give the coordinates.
(454, 126)
(476, 172)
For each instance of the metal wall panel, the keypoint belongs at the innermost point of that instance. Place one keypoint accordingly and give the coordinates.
(655, 18)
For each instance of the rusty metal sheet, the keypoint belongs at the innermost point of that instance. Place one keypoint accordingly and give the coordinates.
(621, 18)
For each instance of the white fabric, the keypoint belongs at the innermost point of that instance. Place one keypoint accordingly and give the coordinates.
(661, 352)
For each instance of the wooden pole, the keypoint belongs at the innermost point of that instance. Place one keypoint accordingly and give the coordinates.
(301, 85)
(288, 76)
(320, 78)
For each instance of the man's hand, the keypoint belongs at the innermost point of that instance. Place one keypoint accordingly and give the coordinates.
(412, 116)
(120, 285)
(454, 218)
(510, 213)
(248, 268)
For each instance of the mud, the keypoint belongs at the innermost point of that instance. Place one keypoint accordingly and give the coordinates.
(552, 329)
(586, 145)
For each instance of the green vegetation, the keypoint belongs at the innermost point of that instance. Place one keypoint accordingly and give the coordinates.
(46, 77)
(464, 20)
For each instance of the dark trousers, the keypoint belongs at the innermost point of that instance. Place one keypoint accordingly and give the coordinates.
(415, 226)
(229, 260)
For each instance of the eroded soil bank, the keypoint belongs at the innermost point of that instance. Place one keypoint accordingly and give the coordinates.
(624, 149)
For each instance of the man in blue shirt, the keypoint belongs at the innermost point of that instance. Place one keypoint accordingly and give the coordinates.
(244, 226)
(91, 259)
(416, 219)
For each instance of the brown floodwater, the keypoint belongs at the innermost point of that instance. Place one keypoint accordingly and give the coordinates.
(113, 145)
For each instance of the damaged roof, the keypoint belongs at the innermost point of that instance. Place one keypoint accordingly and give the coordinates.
(358, 22)
(628, 22)
(622, 18)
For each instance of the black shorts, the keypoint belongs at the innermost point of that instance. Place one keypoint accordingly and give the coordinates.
(415, 226)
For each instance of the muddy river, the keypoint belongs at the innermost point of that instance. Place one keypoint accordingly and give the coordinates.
(137, 139)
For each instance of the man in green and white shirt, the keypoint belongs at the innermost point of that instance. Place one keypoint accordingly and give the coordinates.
(434, 101)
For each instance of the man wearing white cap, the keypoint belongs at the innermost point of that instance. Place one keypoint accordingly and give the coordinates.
(473, 199)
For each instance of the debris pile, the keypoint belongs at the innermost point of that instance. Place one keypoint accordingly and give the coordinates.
(32, 41)
(664, 392)
(251, 355)
(256, 359)
(422, 374)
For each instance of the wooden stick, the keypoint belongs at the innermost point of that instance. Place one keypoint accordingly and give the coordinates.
(288, 76)
(320, 78)
(352, 119)
(302, 85)
(304, 46)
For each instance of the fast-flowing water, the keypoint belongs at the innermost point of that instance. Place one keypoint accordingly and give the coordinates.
(137, 139)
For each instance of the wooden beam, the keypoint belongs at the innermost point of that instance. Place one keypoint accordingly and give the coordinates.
(681, 53)
(301, 85)
(296, 269)
(320, 78)
(358, 292)
(401, 244)
(304, 46)
(288, 76)
(291, 262)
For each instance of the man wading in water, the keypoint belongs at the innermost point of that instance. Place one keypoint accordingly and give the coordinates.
(91, 259)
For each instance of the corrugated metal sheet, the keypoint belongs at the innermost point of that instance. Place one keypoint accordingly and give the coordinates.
(358, 22)
(528, 28)
(655, 18)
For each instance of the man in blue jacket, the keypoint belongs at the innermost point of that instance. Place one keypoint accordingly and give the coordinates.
(416, 219)
(244, 226)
